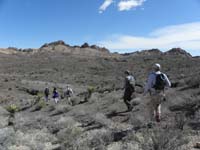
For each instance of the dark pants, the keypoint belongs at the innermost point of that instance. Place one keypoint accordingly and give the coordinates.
(128, 96)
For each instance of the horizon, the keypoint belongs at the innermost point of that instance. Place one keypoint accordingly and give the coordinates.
(122, 26)
(127, 52)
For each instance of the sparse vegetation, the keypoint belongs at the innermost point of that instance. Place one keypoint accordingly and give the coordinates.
(163, 139)
(90, 90)
(12, 108)
(101, 121)
(180, 120)
(42, 103)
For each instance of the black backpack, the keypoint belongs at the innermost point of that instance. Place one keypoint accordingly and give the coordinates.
(160, 82)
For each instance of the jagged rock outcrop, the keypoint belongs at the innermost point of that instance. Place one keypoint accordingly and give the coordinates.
(178, 51)
(85, 45)
(101, 49)
(145, 53)
(56, 43)
(151, 52)
(85, 49)
(173, 51)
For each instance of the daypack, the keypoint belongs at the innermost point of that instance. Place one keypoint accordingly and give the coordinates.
(131, 81)
(68, 92)
(160, 82)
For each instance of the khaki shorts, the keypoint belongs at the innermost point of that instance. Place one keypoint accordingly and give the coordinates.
(156, 100)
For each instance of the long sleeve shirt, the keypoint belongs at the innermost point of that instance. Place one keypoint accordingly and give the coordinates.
(152, 80)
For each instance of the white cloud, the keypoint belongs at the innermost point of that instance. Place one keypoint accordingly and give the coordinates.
(186, 36)
(123, 5)
(129, 4)
(105, 5)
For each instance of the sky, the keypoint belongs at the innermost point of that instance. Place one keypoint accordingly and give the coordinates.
(119, 25)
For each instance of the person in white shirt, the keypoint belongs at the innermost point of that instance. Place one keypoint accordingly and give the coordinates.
(155, 86)
(68, 93)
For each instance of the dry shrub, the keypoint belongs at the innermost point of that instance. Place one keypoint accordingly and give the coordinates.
(163, 139)
(12, 108)
(180, 120)
(193, 82)
(94, 139)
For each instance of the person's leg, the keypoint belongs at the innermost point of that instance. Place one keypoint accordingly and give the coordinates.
(154, 106)
(56, 100)
(159, 99)
(46, 98)
(158, 113)
(127, 99)
(127, 103)
(69, 100)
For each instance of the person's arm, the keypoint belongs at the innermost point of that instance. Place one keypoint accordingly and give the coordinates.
(72, 92)
(168, 83)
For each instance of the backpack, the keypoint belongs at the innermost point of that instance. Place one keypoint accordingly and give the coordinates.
(68, 92)
(160, 82)
(131, 81)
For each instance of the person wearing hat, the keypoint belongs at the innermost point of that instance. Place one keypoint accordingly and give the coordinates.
(68, 93)
(129, 87)
(155, 86)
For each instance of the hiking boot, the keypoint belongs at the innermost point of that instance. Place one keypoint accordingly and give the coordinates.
(130, 108)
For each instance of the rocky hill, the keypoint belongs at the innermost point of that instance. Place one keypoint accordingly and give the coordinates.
(178, 51)
(98, 118)
(84, 49)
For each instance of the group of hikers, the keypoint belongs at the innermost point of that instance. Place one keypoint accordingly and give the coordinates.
(67, 93)
(156, 84)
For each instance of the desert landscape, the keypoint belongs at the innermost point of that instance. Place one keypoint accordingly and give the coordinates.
(98, 119)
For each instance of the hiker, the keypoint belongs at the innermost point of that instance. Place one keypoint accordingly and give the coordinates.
(55, 95)
(156, 84)
(68, 93)
(129, 87)
(46, 93)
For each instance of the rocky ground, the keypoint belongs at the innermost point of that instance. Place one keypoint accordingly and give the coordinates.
(97, 120)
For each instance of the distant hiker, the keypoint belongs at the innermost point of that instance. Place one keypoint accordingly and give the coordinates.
(68, 93)
(129, 87)
(55, 95)
(46, 93)
(157, 81)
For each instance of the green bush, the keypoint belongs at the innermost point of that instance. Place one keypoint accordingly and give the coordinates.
(91, 90)
(12, 108)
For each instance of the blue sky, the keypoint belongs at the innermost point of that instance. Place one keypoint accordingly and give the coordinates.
(120, 25)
